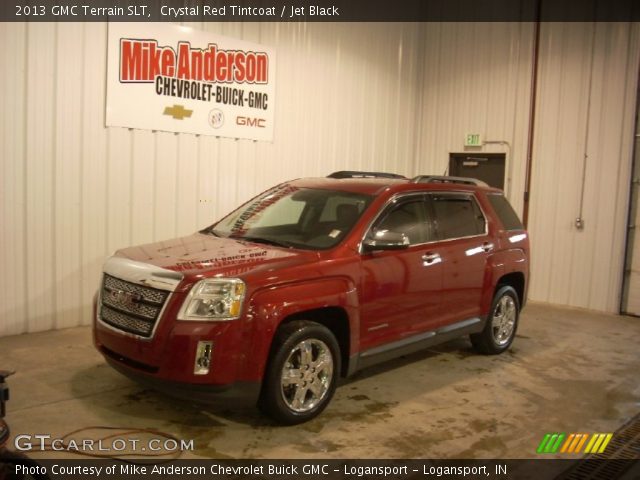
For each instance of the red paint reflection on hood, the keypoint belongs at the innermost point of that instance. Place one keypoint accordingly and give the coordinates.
(200, 252)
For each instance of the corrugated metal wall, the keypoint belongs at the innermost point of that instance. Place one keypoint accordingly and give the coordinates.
(74, 191)
(478, 80)
(360, 96)
(588, 80)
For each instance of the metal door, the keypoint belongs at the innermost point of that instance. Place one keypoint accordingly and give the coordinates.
(630, 302)
(488, 167)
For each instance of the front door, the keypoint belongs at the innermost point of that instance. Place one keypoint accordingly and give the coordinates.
(400, 288)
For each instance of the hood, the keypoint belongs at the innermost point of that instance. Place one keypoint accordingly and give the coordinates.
(205, 255)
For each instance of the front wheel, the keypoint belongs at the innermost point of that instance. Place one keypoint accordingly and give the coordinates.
(302, 373)
(500, 329)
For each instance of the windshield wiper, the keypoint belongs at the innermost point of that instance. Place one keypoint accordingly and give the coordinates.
(209, 231)
(268, 241)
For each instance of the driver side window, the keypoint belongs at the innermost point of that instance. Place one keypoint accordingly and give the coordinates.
(408, 217)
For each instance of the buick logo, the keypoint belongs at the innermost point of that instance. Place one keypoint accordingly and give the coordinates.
(216, 118)
(125, 298)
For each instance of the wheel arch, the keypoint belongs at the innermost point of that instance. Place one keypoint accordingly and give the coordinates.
(332, 302)
(516, 280)
(336, 319)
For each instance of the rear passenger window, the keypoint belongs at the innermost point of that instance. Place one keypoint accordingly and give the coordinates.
(457, 216)
(505, 212)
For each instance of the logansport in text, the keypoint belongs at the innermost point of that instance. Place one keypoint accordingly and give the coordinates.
(216, 469)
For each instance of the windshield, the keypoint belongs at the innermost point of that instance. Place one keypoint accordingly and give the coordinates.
(290, 216)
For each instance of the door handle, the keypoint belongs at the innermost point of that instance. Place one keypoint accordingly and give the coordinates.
(487, 247)
(430, 258)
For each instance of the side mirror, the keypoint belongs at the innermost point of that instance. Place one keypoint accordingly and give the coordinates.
(385, 240)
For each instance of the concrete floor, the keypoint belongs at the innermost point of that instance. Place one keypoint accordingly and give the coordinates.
(568, 371)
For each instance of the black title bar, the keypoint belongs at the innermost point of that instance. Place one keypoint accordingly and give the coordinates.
(319, 10)
(540, 469)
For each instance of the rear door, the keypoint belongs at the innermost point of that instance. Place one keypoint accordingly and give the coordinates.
(464, 246)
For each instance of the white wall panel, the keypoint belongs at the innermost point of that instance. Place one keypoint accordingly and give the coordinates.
(13, 276)
(477, 79)
(74, 191)
(395, 97)
(583, 267)
(95, 141)
(67, 181)
(39, 161)
(143, 194)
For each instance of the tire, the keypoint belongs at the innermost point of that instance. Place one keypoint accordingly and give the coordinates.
(302, 373)
(501, 325)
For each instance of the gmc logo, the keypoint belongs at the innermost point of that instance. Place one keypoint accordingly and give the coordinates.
(251, 122)
(125, 298)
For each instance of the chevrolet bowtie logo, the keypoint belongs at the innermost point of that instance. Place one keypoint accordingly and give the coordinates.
(178, 112)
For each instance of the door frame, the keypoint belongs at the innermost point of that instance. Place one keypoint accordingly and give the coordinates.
(487, 155)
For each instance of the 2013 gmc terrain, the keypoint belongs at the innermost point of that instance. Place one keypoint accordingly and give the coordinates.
(314, 280)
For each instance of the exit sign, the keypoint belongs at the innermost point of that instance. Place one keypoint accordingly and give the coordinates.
(473, 140)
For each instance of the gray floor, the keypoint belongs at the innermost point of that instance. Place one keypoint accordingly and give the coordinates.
(568, 371)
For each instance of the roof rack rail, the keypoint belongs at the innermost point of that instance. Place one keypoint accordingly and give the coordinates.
(356, 174)
(448, 179)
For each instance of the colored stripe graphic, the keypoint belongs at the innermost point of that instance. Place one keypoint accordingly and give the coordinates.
(581, 443)
(574, 442)
(556, 445)
(598, 442)
(551, 443)
(543, 443)
(570, 439)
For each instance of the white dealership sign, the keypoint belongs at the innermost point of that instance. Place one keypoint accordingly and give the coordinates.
(177, 79)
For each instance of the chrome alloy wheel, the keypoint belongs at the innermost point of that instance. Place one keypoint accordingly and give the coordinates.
(504, 320)
(307, 375)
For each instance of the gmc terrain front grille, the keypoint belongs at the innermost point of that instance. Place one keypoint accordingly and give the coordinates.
(131, 307)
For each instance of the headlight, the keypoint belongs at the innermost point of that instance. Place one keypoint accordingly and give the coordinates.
(213, 300)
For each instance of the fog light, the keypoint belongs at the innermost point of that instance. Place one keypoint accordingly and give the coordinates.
(203, 358)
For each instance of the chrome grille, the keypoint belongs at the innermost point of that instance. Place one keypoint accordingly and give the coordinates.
(139, 308)
(152, 295)
(126, 322)
(131, 307)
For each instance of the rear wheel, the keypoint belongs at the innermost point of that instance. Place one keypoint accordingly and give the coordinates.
(500, 329)
(302, 373)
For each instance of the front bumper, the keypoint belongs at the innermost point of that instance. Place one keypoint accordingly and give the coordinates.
(238, 394)
(166, 362)
(171, 354)
(167, 358)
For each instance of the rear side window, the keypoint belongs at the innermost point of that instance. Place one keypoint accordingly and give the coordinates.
(457, 216)
(505, 212)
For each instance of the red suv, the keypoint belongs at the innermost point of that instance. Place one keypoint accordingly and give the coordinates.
(314, 280)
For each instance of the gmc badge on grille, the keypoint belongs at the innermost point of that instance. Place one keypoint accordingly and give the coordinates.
(125, 298)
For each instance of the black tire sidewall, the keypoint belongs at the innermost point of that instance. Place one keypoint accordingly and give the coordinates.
(502, 291)
(288, 337)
